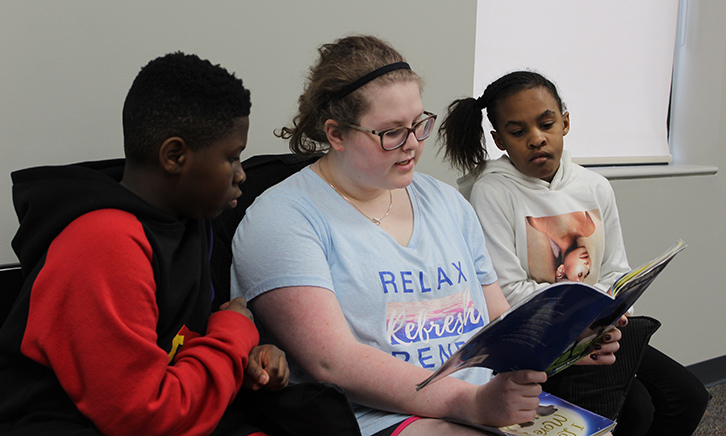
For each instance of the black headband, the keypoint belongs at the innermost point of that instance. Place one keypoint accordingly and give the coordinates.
(367, 78)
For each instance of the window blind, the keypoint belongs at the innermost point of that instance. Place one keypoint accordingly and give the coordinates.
(611, 60)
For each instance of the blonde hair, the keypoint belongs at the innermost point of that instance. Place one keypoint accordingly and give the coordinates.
(339, 64)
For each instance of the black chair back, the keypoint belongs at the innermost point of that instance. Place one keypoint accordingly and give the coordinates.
(263, 171)
(11, 280)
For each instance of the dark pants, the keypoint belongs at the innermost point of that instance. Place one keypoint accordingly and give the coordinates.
(664, 399)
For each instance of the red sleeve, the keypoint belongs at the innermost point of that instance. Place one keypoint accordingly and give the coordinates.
(92, 320)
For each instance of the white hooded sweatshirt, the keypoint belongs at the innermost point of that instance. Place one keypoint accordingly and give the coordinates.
(536, 230)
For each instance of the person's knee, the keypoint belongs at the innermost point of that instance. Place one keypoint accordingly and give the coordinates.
(637, 413)
(696, 399)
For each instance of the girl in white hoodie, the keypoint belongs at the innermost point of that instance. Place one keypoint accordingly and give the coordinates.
(536, 182)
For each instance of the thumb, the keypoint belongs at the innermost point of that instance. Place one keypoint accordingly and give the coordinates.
(255, 375)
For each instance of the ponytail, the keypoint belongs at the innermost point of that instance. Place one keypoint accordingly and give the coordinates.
(463, 136)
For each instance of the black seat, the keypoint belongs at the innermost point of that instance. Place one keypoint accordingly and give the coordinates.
(263, 171)
(11, 280)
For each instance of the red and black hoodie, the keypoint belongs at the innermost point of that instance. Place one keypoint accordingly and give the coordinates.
(112, 332)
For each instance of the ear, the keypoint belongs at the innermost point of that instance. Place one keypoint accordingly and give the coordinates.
(334, 135)
(173, 154)
(565, 123)
(560, 272)
(498, 140)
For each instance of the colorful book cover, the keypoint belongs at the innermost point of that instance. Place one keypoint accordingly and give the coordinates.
(556, 417)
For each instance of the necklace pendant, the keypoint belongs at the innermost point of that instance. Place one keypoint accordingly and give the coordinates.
(376, 221)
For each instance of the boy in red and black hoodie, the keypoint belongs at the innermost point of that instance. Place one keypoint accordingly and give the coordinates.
(112, 332)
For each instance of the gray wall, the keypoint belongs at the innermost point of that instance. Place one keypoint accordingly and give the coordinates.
(65, 68)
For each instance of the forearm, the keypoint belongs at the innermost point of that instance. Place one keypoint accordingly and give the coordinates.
(500, 231)
(311, 328)
(514, 280)
(375, 379)
(520, 289)
(615, 261)
(507, 399)
(130, 387)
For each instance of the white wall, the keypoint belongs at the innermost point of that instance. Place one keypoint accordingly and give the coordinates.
(65, 68)
(689, 299)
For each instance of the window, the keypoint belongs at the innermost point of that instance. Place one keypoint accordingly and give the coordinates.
(611, 60)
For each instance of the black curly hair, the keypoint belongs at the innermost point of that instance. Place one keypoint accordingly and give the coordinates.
(181, 95)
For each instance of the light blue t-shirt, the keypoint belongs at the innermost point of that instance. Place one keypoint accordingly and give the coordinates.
(419, 303)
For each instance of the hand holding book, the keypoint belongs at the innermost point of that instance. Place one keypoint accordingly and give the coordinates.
(603, 351)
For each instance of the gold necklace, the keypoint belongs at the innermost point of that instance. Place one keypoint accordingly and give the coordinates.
(376, 221)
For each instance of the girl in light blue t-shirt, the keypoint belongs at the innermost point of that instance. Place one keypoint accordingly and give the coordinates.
(368, 274)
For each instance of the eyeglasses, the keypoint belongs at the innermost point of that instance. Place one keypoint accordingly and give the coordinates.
(394, 138)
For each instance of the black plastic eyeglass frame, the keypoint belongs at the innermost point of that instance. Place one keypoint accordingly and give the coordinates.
(411, 129)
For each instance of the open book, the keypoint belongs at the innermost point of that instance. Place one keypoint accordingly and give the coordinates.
(555, 327)
(555, 416)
